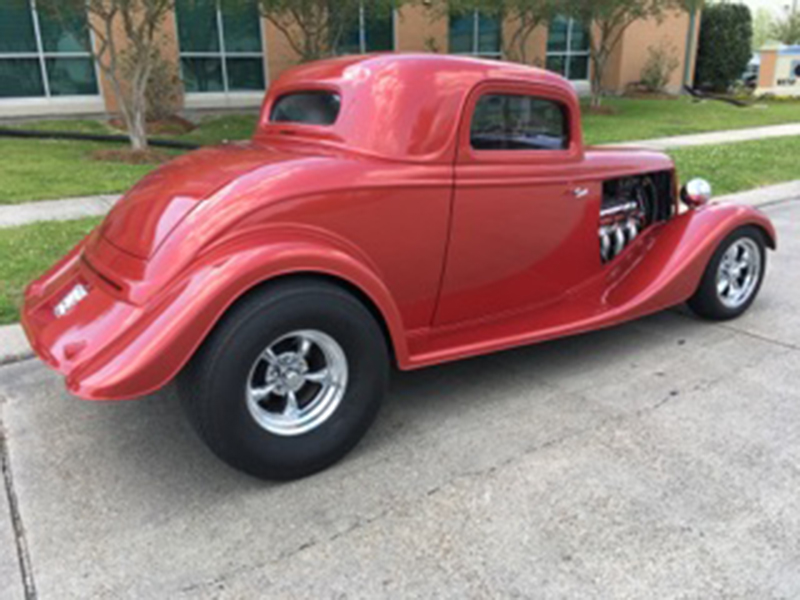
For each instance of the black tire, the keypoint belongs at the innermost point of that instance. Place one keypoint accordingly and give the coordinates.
(213, 386)
(706, 302)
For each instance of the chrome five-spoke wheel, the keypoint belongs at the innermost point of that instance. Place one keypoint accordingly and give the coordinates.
(290, 379)
(738, 273)
(297, 382)
(733, 276)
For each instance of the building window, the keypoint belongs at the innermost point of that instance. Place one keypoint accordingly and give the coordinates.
(568, 49)
(475, 33)
(220, 45)
(370, 30)
(39, 57)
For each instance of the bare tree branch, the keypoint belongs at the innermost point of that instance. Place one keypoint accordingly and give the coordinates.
(607, 21)
(136, 48)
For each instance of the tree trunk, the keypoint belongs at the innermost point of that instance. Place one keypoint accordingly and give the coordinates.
(598, 68)
(137, 131)
(138, 103)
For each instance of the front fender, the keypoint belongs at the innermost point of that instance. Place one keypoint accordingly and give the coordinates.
(667, 267)
(111, 349)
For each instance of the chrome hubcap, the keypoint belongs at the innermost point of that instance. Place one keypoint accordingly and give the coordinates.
(738, 273)
(297, 382)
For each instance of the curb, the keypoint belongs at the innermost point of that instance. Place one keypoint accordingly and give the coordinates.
(14, 345)
(764, 196)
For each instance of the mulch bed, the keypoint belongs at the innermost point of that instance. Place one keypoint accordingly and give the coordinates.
(174, 125)
(132, 157)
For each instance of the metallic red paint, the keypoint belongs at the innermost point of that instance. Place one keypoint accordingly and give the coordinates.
(461, 252)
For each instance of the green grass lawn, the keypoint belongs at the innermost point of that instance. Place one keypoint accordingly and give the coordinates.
(214, 130)
(41, 170)
(741, 166)
(51, 169)
(34, 169)
(30, 250)
(646, 119)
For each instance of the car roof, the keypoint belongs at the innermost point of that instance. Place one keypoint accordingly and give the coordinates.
(397, 106)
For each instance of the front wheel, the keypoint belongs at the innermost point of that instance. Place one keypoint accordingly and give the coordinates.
(289, 381)
(733, 276)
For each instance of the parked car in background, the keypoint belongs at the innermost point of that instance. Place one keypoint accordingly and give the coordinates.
(390, 211)
(750, 76)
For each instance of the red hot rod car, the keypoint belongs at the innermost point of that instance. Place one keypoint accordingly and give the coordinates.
(390, 210)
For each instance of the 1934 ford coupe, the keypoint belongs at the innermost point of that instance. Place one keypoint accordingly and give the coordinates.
(390, 210)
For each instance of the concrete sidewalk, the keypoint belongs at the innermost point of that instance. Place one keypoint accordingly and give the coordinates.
(68, 209)
(14, 345)
(716, 137)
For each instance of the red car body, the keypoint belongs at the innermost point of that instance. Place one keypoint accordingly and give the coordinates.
(458, 251)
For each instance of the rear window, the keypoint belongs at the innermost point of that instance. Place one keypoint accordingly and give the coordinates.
(311, 108)
(511, 122)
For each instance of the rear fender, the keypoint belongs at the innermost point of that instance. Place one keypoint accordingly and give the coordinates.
(157, 343)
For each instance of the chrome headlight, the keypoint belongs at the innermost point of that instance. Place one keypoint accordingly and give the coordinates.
(696, 192)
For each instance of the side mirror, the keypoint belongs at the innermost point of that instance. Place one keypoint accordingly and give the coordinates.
(696, 192)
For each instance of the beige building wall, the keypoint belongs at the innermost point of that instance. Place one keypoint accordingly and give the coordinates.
(631, 54)
(280, 54)
(168, 46)
(768, 67)
(418, 29)
(535, 47)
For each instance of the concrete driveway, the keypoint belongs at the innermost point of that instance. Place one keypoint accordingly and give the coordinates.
(659, 459)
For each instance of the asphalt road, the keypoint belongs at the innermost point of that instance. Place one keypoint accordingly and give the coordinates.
(660, 459)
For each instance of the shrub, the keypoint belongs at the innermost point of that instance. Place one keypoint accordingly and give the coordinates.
(164, 91)
(661, 64)
(726, 34)
(163, 95)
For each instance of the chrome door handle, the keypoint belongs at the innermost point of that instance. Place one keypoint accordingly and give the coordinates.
(580, 192)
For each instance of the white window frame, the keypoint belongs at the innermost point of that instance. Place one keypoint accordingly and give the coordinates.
(476, 21)
(568, 53)
(49, 103)
(227, 97)
(362, 30)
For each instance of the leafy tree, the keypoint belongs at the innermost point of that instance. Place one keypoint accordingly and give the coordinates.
(314, 28)
(763, 26)
(607, 21)
(787, 31)
(725, 45)
(520, 19)
(128, 34)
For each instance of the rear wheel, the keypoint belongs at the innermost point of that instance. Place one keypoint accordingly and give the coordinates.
(289, 381)
(733, 276)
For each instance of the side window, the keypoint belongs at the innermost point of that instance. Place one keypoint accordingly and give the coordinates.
(311, 108)
(515, 122)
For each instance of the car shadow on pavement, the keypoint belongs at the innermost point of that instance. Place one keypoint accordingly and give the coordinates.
(153, 435)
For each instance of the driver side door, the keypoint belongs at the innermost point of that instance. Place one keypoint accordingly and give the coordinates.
(523, 231)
